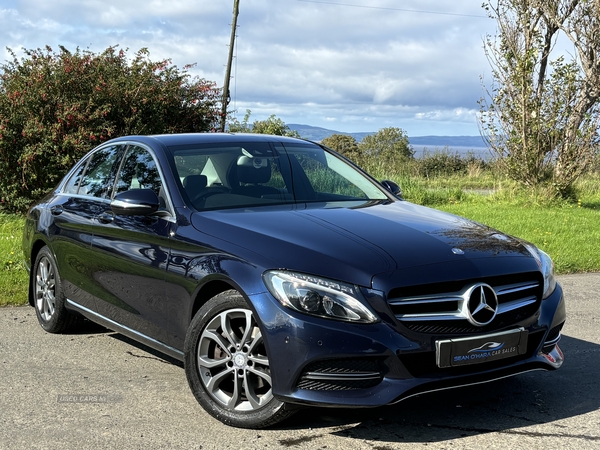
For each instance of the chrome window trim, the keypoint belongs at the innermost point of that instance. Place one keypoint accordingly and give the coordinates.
(86, 160)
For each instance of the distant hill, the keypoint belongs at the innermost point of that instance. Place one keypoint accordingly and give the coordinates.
(449, 141)
(318, 133)
(430, 142)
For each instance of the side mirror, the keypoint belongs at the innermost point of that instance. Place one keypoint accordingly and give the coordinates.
(135, 202)
(392, 187)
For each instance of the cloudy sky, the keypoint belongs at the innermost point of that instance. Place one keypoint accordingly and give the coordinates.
(346, 65)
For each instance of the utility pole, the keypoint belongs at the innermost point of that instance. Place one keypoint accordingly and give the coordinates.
(225, 101)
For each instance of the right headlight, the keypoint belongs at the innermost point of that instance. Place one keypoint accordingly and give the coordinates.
(318, 296)
(546, 266)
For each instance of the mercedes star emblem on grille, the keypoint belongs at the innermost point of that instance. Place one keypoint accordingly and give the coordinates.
(482, 304)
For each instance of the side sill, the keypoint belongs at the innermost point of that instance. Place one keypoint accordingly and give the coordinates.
(133, 334)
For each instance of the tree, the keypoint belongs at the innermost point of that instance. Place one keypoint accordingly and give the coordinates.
(388, 143)
(273, 125)
(55, 106)
(540, 116)
(235, 126)
(342, 143)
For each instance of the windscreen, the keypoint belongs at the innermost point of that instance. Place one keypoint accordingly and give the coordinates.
(218, 176)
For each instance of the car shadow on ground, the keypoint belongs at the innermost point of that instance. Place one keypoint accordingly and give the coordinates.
(155, 353)
(87, 327)
(506, 406)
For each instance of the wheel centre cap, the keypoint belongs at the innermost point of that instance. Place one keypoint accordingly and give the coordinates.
(239, 360)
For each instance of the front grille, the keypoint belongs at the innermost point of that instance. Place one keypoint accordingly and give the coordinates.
(341, 375)
(443, 308)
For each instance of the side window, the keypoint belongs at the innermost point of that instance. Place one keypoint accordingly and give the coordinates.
(139, 171)
(100, 173)
(73, 184)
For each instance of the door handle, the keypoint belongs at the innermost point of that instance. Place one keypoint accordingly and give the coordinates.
(106, 217)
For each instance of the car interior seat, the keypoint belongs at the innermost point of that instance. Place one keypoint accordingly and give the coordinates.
(252, 173)
(194, 185)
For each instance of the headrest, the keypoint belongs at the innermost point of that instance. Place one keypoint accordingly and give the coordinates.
(195, 182)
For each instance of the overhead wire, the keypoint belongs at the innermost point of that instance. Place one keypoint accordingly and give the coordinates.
(443, 13)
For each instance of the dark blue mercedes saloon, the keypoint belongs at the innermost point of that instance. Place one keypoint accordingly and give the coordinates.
(284, 276)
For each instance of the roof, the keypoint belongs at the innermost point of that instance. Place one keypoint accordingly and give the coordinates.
(196, 138)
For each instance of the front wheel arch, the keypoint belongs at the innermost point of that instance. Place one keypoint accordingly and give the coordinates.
(207, 292)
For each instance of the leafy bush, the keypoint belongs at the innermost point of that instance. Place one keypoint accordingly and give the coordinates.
(272, 125)
(445, 163)
(387, 143)
(55, 106)
(343, 144)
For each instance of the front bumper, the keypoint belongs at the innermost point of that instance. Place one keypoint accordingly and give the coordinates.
(323, 362)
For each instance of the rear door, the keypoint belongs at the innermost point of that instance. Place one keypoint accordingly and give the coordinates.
(84, 196)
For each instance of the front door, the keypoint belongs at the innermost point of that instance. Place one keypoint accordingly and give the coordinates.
(133, 252)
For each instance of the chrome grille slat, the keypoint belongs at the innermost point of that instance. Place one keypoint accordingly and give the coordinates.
(427, 299)
(511, 288)
(421, 317)
(355, 376)
(341, 375)
(506, 307)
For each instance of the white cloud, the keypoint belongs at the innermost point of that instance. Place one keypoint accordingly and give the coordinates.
(359, 68)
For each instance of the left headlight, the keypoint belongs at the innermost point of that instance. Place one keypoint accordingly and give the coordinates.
(546, 266)
(318, 296)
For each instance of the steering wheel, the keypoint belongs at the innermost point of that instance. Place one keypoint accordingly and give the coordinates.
(202, 196)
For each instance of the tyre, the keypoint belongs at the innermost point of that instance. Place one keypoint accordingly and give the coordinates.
(227, 366)
(48, 298)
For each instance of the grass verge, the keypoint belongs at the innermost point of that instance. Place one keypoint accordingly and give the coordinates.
(13, 276)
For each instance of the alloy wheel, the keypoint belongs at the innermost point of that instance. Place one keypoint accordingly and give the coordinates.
(45, 284)
(233, 363)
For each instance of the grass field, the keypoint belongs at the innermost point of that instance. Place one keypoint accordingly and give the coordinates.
(13, 276)
(568, 231)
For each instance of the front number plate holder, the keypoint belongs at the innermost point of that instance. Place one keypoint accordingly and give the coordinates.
(481, 349)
